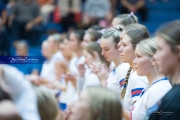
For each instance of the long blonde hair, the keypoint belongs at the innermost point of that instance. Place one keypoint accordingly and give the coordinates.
(105, 104)
(47, 105)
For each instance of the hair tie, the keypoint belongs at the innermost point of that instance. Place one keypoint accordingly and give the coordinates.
(131, 14)
(119, 27)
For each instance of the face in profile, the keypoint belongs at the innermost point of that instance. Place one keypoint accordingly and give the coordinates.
(89, 59)
(80, 110)
(166, 59)
(109, 51)
(86, 40)
(65, 49)
(73, 42)
(126, 50)
(143, 63)
(45, 49)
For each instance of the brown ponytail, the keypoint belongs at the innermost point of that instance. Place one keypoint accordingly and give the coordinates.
(126, 82)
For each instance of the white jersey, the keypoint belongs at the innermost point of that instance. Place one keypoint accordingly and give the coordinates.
(91, 79)
(117, 76)
(149, 97)
(71, 93)
(73, 64)
(48, 69)
(135, 86)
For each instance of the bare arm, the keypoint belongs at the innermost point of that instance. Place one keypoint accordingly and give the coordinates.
(4, 17)
(125, 3)
(37, 20)
(126, 114)
(139, 4)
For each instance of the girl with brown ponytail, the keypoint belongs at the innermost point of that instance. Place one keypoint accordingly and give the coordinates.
(133, 84)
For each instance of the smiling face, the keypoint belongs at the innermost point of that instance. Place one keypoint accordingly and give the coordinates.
(109, 51)
(166, 59)
(126, 51)
(80, 110)
(142, 62)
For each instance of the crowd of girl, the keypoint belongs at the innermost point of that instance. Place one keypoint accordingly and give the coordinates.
(114, 74)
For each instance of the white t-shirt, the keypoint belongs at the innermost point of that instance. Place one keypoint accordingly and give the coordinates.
(48, 69)
(150, 97)
(135, 86)
(91, 79)
(117, 76)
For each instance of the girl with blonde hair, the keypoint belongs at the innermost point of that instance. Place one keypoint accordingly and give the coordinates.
(158, 86)
(97, 103)
(47, 104)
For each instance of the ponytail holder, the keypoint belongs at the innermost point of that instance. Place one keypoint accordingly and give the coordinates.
(131, 14)
(119, 27)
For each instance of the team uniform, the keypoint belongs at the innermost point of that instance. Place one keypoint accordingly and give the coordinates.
(169, 106)
(48, 69)
(135, 86)
(149, 97)
(116, 78)
(91, 79)
(71, 93)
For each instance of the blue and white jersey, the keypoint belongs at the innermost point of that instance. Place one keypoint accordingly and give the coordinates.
(117, 76)
(149, 97)
(134, 88)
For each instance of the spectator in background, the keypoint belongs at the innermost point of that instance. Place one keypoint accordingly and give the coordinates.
(106, 22)
(25, 21)
(94, 11)
(136, 6)
(22, 49)
(47, 7)
(4, 40)
(3, 14)
(70, 13)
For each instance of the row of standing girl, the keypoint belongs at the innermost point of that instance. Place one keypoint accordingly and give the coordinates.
(137, 73)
